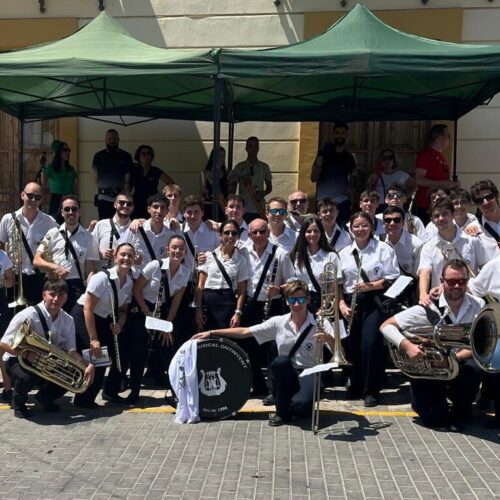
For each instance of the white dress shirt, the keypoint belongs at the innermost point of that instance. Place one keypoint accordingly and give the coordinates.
(62, 328)
(33, 232)
(236, 267)
(419, 225)
(203, 240)
(102, 234)
(152, 273)
(344, 239)
(487, 282)
(379, 261)
(83, 242)
(431, 230)
(100, 287)
(5, 265)
(407, 249)
(286, 240)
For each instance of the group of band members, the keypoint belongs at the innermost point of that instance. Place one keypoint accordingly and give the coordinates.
(255, 280)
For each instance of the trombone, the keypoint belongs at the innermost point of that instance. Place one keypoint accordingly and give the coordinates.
(329, 309)
(16, 253)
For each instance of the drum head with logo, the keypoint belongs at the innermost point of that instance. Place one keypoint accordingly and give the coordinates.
(224, 378)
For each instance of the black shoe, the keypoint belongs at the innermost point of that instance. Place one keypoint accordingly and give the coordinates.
(268, 400)
(173, 401)
(7, 396)
(133, 398)
(484, 404)
(46, 404)
(113, 398)
(22, 413)
(370, 401)
(87, 405)
(457, 425)
(275, 420)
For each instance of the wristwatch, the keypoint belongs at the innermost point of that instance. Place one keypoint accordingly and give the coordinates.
(238, 311)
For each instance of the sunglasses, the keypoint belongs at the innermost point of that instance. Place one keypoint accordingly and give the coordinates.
(387, 158)
(300, 200)
(396, 220)
(295, 300)
(482, 199)
(230, 233)
(394, 194)
(454, 282)
(124, 203)
(33, 196)
(70, 209)
(259, 231)
(158, 206)
(277, 211)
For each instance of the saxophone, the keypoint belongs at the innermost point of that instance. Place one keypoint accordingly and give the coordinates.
(51, 362)
(51, 274)
(410, 221)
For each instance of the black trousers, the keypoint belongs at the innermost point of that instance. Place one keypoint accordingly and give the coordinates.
(292, 395)
(23, 382)
(32, 288)
(5, 312)
(365, 347)
(429, 397)
(75, 290)
(218, 307)
(105, 209)
(105, 337)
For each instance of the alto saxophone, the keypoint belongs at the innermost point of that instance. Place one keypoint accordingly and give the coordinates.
(51, 274)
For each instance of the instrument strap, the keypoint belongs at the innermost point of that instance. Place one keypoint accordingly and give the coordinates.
(152, 254)
(69, 247)
(43, 321)
(434, 316)
(190, 244)
(115, 292)
(313, 279)
(17, 223)
(335, 237)
(267, 265)
(492, 232)
(114, 231)
(166, 286)
(362, 273)
(383, 237)
(300, 341)
(223, 271)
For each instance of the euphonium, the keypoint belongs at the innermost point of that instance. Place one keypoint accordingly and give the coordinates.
(437, 342)
(51, 362)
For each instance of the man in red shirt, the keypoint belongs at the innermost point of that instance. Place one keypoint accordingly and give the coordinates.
(432, 169)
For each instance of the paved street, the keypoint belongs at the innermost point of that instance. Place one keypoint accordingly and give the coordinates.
(142, 453)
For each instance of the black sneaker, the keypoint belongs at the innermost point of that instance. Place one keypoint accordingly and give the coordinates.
(268, 400)
(276, 421)
(46, 404)
(133, 398)
(7, 396)
(173, 400)
(22, 413)
(113, 398)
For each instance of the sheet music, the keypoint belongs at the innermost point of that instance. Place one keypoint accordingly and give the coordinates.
(158, 324)
(319, 368)
(104, 360)
(398, 287)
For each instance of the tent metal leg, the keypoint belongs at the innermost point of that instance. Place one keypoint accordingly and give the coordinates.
(230, 146)
(455, 141)
(215, 166)
(21, 155)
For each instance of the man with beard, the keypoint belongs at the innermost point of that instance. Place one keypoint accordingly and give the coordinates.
(331, 171)
(112, 168)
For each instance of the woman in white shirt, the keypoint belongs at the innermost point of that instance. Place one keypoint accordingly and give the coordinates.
(95, 326)
(364, 345)
(221, 290)
(170, 277)
(308, 257)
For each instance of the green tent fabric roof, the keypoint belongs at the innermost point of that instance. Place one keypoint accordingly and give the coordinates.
(360, 69)
(102, 70)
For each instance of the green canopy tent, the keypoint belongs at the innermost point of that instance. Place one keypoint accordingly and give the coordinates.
(360, 69)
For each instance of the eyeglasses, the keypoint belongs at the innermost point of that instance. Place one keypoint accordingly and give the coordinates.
(66, 150)
(124, 203)
(277, 211)
(394, 194)
(482, 199)
(230, 233)
(295, 300)
(396, 220)
(33, 196)
(70, 209)
(300, 200)
(259, 231)
(454, 282)
(387, 158)
(328, 211)
(457, 203)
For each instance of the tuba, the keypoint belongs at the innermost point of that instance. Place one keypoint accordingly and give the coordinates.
(51, 363)
(437, 342)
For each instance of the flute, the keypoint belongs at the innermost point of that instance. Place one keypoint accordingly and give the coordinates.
(115, 337)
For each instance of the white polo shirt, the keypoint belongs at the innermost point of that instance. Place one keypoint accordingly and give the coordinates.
(343, 240)
(487, 282)
(407, 250)
(379, 261)
(62, 328)
(33, 232)
(203, 240)
(5, 265)
(236, 267)
(286, 240)
(152, 273)
(102, 234)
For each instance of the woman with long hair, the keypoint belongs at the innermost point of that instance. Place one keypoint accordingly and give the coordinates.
(368, 267)
(222, 282)
(308, 257)
(60, 176)
(100, 314)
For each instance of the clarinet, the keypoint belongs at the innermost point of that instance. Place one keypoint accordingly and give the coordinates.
(154, 335)
(355, 296)
(269, 301)
(110, 246)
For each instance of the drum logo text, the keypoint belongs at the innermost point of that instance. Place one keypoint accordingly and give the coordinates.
(212, 383)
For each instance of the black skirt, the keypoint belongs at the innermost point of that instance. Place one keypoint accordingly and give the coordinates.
(218, 307)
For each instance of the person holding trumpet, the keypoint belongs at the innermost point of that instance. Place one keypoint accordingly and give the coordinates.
(100, 314)
(295, 334)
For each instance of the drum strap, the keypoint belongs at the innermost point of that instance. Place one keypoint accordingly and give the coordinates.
(300, 341)
(267, 265)
(43, 321)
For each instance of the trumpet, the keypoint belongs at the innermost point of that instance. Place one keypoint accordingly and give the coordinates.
(16, 255)
(329, 309)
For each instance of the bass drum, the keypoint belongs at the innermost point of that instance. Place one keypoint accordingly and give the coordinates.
(224, 378)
